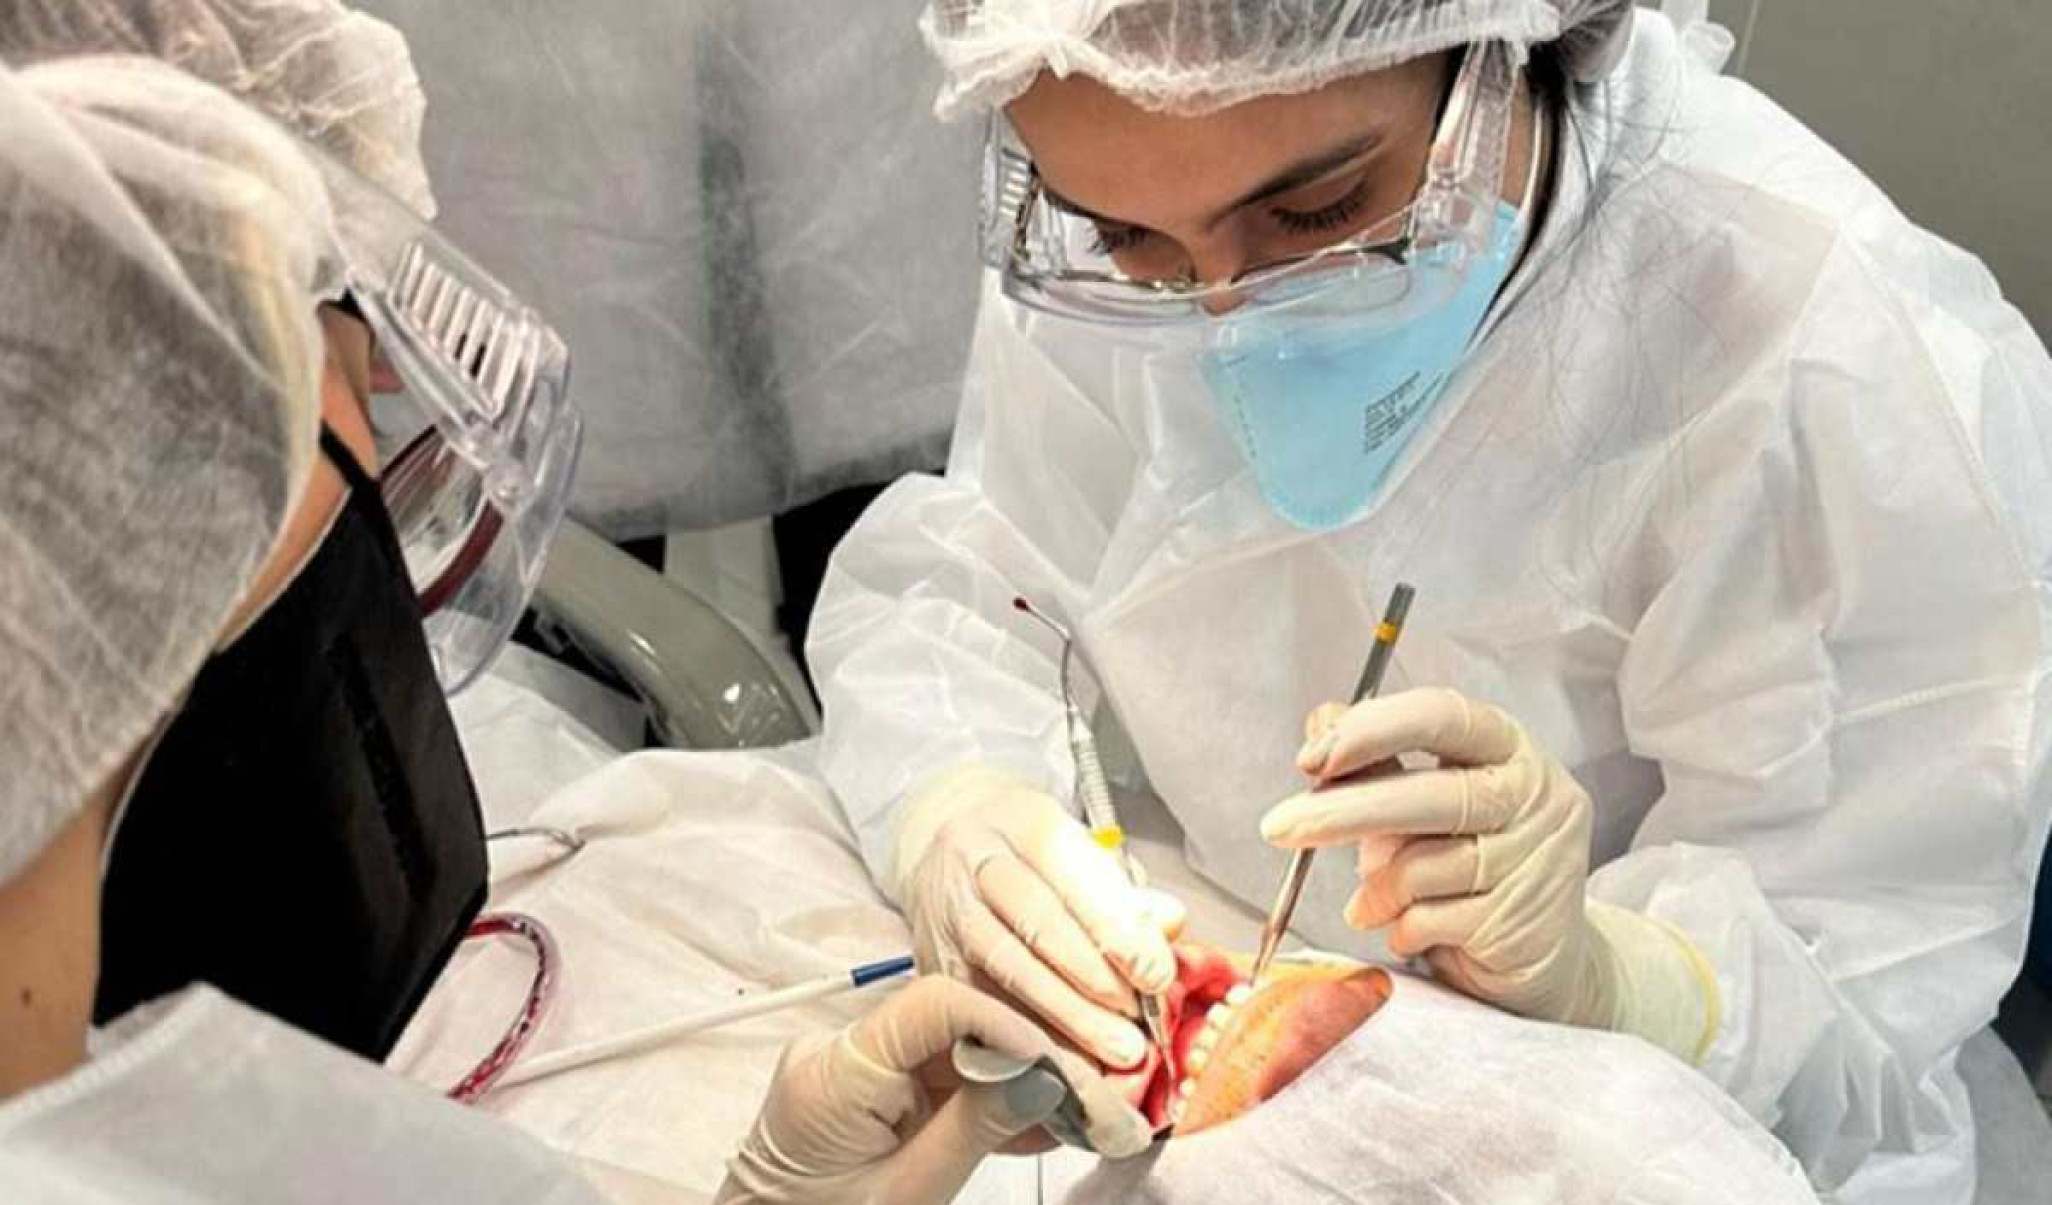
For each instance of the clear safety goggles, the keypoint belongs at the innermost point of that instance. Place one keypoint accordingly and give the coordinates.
(1061, 262)
(478, 447)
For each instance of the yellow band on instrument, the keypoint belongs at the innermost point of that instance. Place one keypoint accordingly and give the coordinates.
(1110, 836)
(1386, 632)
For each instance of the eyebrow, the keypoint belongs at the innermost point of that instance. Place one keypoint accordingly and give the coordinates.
(1297, 175)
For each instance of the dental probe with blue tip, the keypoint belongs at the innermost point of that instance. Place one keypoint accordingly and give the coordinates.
(1093, 791)
(1299, 869)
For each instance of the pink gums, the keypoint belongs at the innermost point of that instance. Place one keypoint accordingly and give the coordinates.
(1203, 977)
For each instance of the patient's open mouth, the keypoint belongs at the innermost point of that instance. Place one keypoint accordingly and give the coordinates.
(1234, 1046)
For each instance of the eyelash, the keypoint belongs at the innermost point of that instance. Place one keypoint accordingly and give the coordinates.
(1337, 214)
(1112, 240)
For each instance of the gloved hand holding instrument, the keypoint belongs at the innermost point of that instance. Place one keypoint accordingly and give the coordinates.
(874, 1112)
(1004, 886)
(1480, 864)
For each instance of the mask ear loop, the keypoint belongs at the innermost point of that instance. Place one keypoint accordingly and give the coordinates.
(353, 473)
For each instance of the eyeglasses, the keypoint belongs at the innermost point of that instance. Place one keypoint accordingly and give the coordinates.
(1056, 260)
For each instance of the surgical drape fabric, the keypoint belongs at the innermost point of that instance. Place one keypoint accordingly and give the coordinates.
(1743, 507)
(1437, 1099)
(705, 874)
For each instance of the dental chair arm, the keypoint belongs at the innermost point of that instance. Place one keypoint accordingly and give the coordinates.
(707, 683)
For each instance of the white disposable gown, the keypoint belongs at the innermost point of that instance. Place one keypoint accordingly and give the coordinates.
(198, 1098)
(1743, 506)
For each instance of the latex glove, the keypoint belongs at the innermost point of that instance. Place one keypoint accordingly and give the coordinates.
(1003, 886)
(849, 1116)
(1480, 864)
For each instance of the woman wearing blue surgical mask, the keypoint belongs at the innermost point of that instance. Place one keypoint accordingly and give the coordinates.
(1723, 488)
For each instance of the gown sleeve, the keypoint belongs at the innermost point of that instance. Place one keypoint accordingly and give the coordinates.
(1843, 682)
(922, 662)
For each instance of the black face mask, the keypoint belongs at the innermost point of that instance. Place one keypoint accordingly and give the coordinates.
(306, 836)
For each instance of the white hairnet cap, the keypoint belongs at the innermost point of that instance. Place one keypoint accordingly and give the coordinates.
(1194, 56)
(161, 247)
(336, 77)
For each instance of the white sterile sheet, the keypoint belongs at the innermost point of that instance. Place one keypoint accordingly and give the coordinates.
(705, 875)
(1438, 1099)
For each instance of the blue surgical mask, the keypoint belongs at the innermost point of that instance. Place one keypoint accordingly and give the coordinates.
(1323, 406)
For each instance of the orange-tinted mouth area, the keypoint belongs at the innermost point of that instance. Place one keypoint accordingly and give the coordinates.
(1233, 1045)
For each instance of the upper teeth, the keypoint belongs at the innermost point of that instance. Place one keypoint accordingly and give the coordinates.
(1216, 1019)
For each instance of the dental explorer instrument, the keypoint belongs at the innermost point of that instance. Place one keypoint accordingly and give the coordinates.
(1094, 792)
(1299, 869)
(664, 1032)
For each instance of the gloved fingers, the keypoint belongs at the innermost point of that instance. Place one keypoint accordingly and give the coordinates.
(936, 1161)
(1320, 719)
(1444, 723)
(1455, 969)
(869, 1103)
(1446, 802)
(1451, 923)
(1094, 886)
(1019, 973)
(1389, 767)
(922, 1021)
(1037, 916)
(1165, 912)
(1374, 852)
(1426, 868)
(883, 1106)
(915, 1107)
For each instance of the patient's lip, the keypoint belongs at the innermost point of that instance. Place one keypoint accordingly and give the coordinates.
(1330, 1012)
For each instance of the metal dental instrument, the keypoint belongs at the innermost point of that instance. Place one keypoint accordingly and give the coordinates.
(1095, 795)
(1299, 869)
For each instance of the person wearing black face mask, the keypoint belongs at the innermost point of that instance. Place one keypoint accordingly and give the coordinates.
(305, 835)
(168, 526)
(234, 585)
